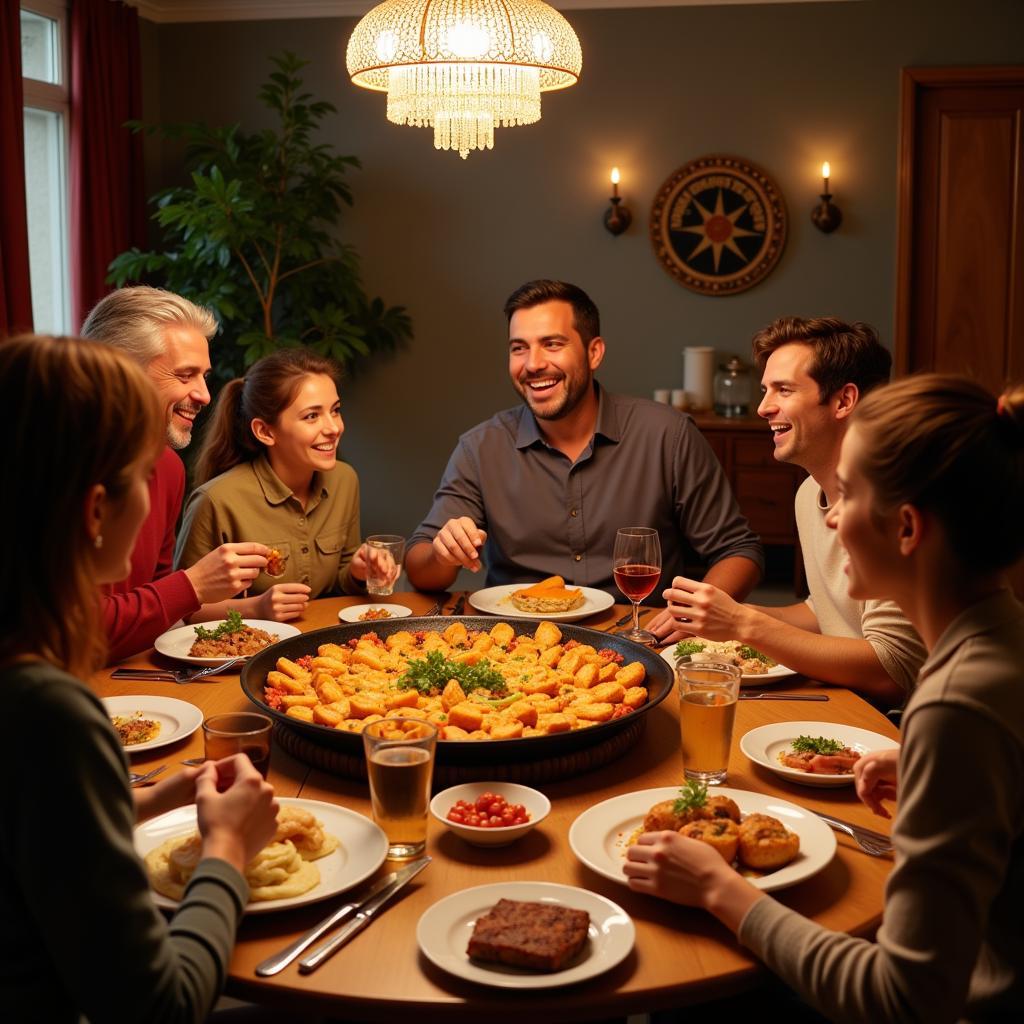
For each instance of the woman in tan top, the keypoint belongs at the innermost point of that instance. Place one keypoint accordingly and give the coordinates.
(932, 501)
(268, 471)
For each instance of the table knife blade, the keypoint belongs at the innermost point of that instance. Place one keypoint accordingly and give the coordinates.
(363, 917)
(279, 961)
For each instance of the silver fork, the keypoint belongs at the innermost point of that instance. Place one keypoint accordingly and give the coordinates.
(135, 779)
(173, 675)
(870, 842)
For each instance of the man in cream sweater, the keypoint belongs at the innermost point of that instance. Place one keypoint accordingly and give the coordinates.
(814, 372)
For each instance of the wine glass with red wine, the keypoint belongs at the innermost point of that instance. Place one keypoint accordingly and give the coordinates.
(636, 566)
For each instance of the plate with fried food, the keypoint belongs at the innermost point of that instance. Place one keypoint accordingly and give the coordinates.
(373, 612)
(145, 723)
(319, 850)
(551, 599)
(757, 668)
(777, 844)
(525, 935)
(213, 643)
(812, 753)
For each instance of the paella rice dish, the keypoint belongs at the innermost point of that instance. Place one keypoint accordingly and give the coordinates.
(471, 684)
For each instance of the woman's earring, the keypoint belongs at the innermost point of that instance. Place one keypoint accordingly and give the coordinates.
(98, 542)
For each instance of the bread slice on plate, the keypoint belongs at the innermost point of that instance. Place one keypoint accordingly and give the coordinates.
(550, 595)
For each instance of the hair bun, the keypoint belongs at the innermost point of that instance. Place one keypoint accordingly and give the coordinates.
(1010, 413)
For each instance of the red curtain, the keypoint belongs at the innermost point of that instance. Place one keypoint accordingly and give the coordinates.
(108, 204)
(15, 289)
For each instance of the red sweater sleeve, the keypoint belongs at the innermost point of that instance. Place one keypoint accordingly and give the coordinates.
(138, 609)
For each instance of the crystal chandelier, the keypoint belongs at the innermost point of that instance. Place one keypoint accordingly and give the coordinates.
(464, 66)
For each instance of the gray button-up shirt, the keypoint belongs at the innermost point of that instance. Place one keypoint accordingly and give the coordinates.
(647, 465)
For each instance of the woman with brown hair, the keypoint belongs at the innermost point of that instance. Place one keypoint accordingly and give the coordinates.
(932, 501)
(268, 472)
(79, 933)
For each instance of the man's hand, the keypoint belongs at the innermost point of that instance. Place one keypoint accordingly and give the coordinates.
(282, 602)
(458, 543)
(875, 776)
(697, 609)
(373, 563)
(235, 810)
(226, 571)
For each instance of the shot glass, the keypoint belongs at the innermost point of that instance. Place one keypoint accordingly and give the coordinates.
(400, 764)
(240, 732)
(708, 691)
(384, 563)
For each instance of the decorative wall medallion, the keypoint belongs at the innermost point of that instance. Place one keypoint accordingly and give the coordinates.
(719, 225)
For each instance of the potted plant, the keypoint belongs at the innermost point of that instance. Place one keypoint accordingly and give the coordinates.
(254, 237)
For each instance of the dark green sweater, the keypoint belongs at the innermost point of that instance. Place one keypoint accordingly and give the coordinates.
(79, 933)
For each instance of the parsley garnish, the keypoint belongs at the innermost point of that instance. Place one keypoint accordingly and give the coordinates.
(750, 652)
(816, 745)
(232, 624)
(685, 647)
(430, 674)
(694, 794)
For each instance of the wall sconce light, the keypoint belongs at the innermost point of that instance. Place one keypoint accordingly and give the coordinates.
(825, 215)
(617, 217)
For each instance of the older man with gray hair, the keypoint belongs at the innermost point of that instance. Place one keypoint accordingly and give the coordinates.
(169, 337)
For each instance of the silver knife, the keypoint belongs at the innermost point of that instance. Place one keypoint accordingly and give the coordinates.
(362, 918)
(279, 961)
(783, 696)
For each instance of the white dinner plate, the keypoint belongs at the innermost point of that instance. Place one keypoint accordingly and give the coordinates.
(748, 678)
(599, 836)
(398, 611)
(764, 745)
(178, 719)
(443, 934)
(176, 643)
(497, 601)
(363, 847)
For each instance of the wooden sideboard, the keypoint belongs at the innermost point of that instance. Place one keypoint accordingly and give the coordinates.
(764, 488)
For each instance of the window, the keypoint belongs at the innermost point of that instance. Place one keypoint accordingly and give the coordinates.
(45, 81)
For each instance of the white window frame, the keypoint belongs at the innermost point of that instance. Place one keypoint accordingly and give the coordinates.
(56, 98)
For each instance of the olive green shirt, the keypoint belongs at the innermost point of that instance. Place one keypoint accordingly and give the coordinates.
(250, 503)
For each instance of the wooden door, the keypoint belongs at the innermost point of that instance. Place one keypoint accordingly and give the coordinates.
(960, 258)
(960, 293)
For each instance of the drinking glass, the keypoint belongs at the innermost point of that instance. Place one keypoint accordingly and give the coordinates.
(384, 564)
(240, 733)
(400, 764)
(708, 691)
(636, 566)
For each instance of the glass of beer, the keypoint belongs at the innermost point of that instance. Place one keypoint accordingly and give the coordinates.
(400, 764)
(708, 691)
(240, 733)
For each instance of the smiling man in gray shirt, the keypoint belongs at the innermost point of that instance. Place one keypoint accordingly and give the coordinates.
(542, 489)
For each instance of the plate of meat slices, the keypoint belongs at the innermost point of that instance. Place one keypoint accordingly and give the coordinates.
(812, 753)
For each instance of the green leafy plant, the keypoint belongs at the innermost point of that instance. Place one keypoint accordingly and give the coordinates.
(254, 236)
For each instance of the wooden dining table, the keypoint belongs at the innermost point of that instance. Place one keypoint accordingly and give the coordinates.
(681, 955)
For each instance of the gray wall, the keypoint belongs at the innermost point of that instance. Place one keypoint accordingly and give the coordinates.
(786, 86)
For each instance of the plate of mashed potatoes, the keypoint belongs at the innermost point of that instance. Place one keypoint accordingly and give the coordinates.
(319, 850)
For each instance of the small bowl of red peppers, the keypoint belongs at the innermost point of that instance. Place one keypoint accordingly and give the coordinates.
(490, 813)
